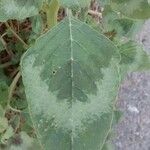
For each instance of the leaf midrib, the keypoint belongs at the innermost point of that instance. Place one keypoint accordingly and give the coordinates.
(71, 71)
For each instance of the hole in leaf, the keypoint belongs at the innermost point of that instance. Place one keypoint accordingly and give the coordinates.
(54, 72)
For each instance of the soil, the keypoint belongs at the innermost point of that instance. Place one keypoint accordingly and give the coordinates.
(133, 131)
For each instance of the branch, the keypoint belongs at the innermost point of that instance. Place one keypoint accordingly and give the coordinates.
(11, 90)
(95, 13)
(16, 35)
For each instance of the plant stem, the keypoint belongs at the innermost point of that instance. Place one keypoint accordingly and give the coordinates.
(95, 13)
(51, 12)
(16, 35)
(11, 90)
(7, 64)
(13, 109)
(10, 53)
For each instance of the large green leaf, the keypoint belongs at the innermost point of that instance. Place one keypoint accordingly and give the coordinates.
(137, 9)
(18, 9)
(71, 79)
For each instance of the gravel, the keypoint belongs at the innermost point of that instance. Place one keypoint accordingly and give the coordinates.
(133, 132)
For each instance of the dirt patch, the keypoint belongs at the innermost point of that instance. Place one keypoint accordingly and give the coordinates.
(133, 132)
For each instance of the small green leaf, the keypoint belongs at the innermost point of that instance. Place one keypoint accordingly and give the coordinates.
(18, 9)
(1, 46)
(117, 116)
(128, 52)
(2, 112)
(108, 146)
(121, 26)
(27, 126)
(136, 9)
(3, 89)
(3, 124)
(104, 2)
(27, 143)
(133, 58)
(37, 24)
(8, 134)
(71, 84)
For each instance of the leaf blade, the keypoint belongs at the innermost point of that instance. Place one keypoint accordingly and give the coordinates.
(73, 74)
(18, 9)
(75, 3)
(131, 8)
(133, 58)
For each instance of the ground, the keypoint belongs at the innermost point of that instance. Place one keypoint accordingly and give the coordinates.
(133, 131)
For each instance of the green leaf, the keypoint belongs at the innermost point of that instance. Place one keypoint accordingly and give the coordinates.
(117, 116)
(75, 3)
(128, 52)
(108, 146)
(119, 25)
(71, 80)
(27, 143)
(18, 9)
(3, 124)
(104, 2)
(1, 46)
(3, 89)
(71, 3)
(37, 24)
(136, 9)
(8, 134)
(133, 58)
(2, 112)
(27, 126)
